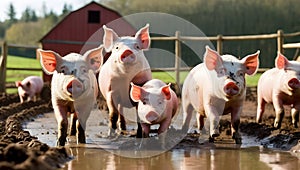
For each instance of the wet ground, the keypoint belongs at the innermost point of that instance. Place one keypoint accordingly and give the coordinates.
(28, 133)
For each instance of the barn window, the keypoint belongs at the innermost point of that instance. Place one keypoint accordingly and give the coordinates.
(94, 17)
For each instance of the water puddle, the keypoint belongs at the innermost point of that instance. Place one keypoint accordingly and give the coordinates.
(103, 153)
(218, 158)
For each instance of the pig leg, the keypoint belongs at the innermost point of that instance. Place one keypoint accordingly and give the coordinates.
(146, 129)
(113, 115)
(62, 121)
(235, 123)
(279, 110)
(80, 134)
(121, 120)
(164, 125)
(295, 116)
(21, 99)
(187, 115)
(260, 109)
(162, 131)
(73, 119)
(213, 113)
(139, 133)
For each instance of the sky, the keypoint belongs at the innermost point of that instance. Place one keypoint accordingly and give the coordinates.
(37, 5)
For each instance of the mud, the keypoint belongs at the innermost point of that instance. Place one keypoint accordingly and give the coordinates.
(20, 150)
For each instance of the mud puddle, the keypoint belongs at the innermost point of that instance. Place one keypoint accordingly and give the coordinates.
(185, 159)
(101, 152)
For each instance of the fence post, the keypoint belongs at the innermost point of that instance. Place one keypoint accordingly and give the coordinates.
(220, 44)
(280, 41)
(3, 59)
(177, 59)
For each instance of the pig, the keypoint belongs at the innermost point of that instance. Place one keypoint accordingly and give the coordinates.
(126, 63)
(29, 88)
(217, 87)
(157, 104)
(74, 88)
(280, 86)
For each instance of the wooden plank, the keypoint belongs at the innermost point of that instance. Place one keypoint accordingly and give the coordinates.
(291, 45)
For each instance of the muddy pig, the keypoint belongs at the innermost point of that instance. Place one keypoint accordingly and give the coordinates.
(280, 86)
(73, 88)
(157, 104)
(29, 88)
(216, 87)
(127, 63)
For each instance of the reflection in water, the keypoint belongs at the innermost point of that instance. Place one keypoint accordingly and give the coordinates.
(188, 159)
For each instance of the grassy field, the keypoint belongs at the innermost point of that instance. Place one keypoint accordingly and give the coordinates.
(20, 62)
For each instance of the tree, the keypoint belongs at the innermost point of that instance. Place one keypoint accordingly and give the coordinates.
(26, 15)
(11, 13)
(27, 33)
(29, 15)
(66, 9)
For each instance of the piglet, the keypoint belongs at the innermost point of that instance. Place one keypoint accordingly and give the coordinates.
(126, 63)
(280, 86)
(29, 88)
(216, 87)
(157, 104)
(73, 88)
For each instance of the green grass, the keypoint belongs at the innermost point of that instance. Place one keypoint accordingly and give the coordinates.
(20, 62)
(252, 80)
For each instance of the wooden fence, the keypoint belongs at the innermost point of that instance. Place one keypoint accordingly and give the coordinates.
(220, 39)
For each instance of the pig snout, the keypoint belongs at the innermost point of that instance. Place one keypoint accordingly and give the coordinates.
(294, 83)
(231, 89)
(152, 116)
(127, 56)
(74, 87)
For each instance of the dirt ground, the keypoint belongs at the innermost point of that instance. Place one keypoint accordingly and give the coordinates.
(20, 150)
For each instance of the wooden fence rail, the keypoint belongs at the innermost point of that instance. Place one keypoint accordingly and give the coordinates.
(220, 39)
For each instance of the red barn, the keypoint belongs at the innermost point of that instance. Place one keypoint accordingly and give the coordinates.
(82, 30)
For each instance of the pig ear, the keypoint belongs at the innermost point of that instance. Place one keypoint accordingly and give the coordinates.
(212, 59)
(251, 63)
(18, 84)
(281, 61)
(109, 38)
(94, 58)
(135, 92)
(49, 59)
(144, 37)
(166, 91)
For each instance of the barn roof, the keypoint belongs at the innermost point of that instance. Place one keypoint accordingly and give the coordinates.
(68, 15)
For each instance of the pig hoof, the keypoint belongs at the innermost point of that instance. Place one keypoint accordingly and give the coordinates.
(60, 142)
(215, 135)
(295, 125)
(238, 140)
(211, 139)
(277, 125)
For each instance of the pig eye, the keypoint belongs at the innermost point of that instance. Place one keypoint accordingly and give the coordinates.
(137, 46)
(144, 103)
(240, 73)
(222, 71)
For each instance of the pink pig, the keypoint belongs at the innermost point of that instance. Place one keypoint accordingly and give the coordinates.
(74, 88)
(280, 86)
(217, 87)
(157, 104)
(126, 64)
(29, 88)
